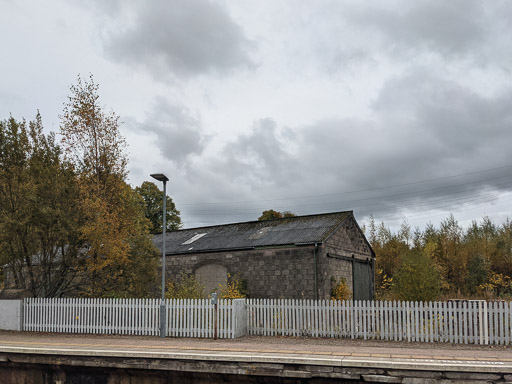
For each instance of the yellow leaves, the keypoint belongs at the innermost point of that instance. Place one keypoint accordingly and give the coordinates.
(497, 284)
(113, 222)
(234, 288)
(340, 290)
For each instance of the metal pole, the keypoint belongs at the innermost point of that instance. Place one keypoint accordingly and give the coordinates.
(163, 308)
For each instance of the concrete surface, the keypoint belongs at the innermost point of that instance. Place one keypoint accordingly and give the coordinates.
(10, 315)
(334, 352)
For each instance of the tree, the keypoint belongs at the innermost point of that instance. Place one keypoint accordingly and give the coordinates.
(271, 214)
(153, 208)
(452, 259)
(477, 273)
(39, 225)
(417, 279)
(114, 221)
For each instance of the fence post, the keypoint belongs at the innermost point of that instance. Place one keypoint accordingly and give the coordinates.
(215, 315)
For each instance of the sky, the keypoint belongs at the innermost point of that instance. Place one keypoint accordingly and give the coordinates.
(396, 109)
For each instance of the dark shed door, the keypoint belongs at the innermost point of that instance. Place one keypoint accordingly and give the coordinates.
(362, 278)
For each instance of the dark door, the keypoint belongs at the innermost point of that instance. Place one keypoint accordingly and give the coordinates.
(362, 280)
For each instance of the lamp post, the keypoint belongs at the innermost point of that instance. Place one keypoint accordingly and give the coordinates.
(161, 177)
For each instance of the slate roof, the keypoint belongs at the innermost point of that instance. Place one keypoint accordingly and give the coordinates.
(248, 235)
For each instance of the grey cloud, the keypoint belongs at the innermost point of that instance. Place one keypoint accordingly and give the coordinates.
(424, 127)
(183, 37)
(450, 27)
(258, 157)
(353, 35)
(178, 133)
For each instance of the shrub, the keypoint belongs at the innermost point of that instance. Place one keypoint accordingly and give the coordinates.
(187, 288)
(497, 284)
(417, 279)
(235, 288)
(340, 290)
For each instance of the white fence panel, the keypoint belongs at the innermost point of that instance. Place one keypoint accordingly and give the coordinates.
(185, 318)
(461, 322)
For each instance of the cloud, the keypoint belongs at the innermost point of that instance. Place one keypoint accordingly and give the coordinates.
(350, 36)
(177, 133)
(448, 27)
(258, 157)
(423, 127)
(182, 37)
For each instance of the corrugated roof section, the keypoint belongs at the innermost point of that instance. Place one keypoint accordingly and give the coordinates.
(253, 234)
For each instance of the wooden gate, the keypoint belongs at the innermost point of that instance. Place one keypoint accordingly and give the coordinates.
(362, 280)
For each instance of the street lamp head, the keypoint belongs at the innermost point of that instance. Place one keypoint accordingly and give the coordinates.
(159, 177)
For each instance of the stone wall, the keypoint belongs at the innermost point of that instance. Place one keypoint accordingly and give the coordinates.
(211, 275)
(82, 367)
(286, 273)
(347, 241)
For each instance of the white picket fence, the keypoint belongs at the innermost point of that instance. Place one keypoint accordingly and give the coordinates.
(475, 322)
(464, 322)
(185, 318)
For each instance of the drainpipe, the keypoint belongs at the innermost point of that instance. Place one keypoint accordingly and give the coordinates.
(316, 271)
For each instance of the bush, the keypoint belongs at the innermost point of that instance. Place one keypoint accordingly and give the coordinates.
(417, 279)
(187, 288)
(340, 290)
(235, 288)
(498, 285)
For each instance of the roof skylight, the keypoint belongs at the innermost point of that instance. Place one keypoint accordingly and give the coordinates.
(193, 238)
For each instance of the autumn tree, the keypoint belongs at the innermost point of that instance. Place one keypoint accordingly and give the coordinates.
(153, 208)
(452, 260)
(271, 214)
(416, 279)
(115, 228)
(39, 224)
(501, 260)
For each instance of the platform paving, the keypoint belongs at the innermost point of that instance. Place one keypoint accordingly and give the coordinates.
(373, 361)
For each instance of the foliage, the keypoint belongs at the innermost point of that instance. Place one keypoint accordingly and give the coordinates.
(235, 288)
(113, 213)
(468, 262)
(384, 284)
(417, 279)
(340, 289)
(153, 208)
(271, 214)
(497, 285)
(39, 223)
(477, 273)
(186, 288)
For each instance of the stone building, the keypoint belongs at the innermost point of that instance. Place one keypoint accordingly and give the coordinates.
(296, 257)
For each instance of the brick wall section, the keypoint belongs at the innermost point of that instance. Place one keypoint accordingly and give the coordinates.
(286, 273)
(347, 241)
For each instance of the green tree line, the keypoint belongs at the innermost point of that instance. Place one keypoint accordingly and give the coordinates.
(445, 262)
(70, 224)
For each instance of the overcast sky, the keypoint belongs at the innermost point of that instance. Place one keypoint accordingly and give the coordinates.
(400, 109)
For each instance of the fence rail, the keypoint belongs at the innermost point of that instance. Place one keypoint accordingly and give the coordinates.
(464, 322)
(185, 318)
